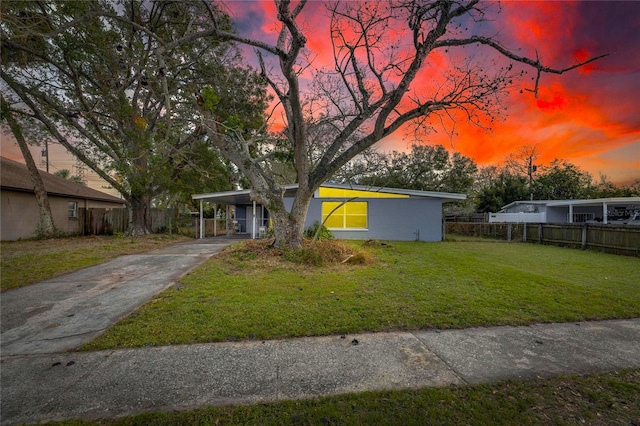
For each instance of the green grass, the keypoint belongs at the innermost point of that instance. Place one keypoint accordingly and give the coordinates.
(408, 286)
(30, 261)
(599, 399)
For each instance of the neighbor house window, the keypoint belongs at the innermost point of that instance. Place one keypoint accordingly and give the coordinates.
(350, 215)
(73, 210)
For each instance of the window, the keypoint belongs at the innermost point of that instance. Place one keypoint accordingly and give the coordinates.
(350, 215)
(73, 210)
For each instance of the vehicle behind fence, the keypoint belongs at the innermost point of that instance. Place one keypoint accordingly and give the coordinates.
(616, 239)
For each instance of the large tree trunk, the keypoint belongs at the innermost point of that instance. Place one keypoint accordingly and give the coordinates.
(288, 227)
(139, 215)
(46, 228)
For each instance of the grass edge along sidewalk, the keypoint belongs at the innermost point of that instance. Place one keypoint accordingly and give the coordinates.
(597, 399)
(242, 295)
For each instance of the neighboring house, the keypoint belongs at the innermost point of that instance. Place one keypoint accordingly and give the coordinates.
(19, 213)
(367, 212)
(603, 210)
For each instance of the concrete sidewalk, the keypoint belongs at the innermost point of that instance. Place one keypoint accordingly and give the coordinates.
(63, 313)
(123, 382)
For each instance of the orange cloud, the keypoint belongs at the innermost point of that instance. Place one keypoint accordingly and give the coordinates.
(582, 55)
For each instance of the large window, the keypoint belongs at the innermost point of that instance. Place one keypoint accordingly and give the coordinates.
(73, 210)
(350, 215)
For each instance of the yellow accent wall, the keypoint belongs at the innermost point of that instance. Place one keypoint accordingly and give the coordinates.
(353, 193)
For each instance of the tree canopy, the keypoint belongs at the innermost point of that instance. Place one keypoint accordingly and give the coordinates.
(102, 79)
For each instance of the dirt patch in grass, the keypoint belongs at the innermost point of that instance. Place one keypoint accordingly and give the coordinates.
(313, 253)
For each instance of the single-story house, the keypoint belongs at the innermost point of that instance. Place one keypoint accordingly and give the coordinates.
(19, 213)
(602, 210)
(367, 212)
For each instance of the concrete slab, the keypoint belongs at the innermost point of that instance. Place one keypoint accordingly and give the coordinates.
(332, 365)
(613, 342)
(123, 382)
(480, 355)
(62, 313)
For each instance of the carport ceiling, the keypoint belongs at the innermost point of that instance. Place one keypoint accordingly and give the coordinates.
(237, 197)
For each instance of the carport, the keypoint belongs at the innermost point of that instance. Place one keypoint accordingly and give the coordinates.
(255, 217)
(604, 209)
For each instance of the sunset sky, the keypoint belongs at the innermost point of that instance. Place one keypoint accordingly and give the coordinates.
(589, 116)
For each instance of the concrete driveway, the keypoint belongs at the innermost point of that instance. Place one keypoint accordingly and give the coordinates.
(63, 313)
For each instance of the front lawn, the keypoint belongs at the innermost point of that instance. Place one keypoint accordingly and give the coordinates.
(408, 285)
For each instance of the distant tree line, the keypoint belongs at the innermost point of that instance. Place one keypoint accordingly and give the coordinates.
(488, 189)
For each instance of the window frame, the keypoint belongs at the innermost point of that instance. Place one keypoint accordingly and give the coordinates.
(72, 210)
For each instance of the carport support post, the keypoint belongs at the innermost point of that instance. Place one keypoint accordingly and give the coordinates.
(201, 219)
(570, 213)
(253, 222)
(215, 220)
(604, 213)
(226, 220)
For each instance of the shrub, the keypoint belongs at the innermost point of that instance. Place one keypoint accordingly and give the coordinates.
(323, 234)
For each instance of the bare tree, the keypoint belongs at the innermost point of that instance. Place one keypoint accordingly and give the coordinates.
(370, 92)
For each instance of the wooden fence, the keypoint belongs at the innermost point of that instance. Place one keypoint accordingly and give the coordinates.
(108, 222)
(616, 239)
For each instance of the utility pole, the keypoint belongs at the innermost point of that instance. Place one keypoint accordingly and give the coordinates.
(532, 168)
(44, 155)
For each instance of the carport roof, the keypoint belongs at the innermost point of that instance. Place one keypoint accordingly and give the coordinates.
(244, 196)
(590, 202)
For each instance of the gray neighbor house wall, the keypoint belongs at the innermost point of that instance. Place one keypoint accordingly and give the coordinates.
(399, 219)
(605, 210)
(557, 215)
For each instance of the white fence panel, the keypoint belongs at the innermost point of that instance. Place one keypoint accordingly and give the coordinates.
(520, 217)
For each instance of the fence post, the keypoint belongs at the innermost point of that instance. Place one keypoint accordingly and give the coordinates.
(584, 236)
(509, 232)
(524, 233)
(539, 233)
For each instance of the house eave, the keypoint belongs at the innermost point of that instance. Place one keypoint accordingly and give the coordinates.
(243, 196)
